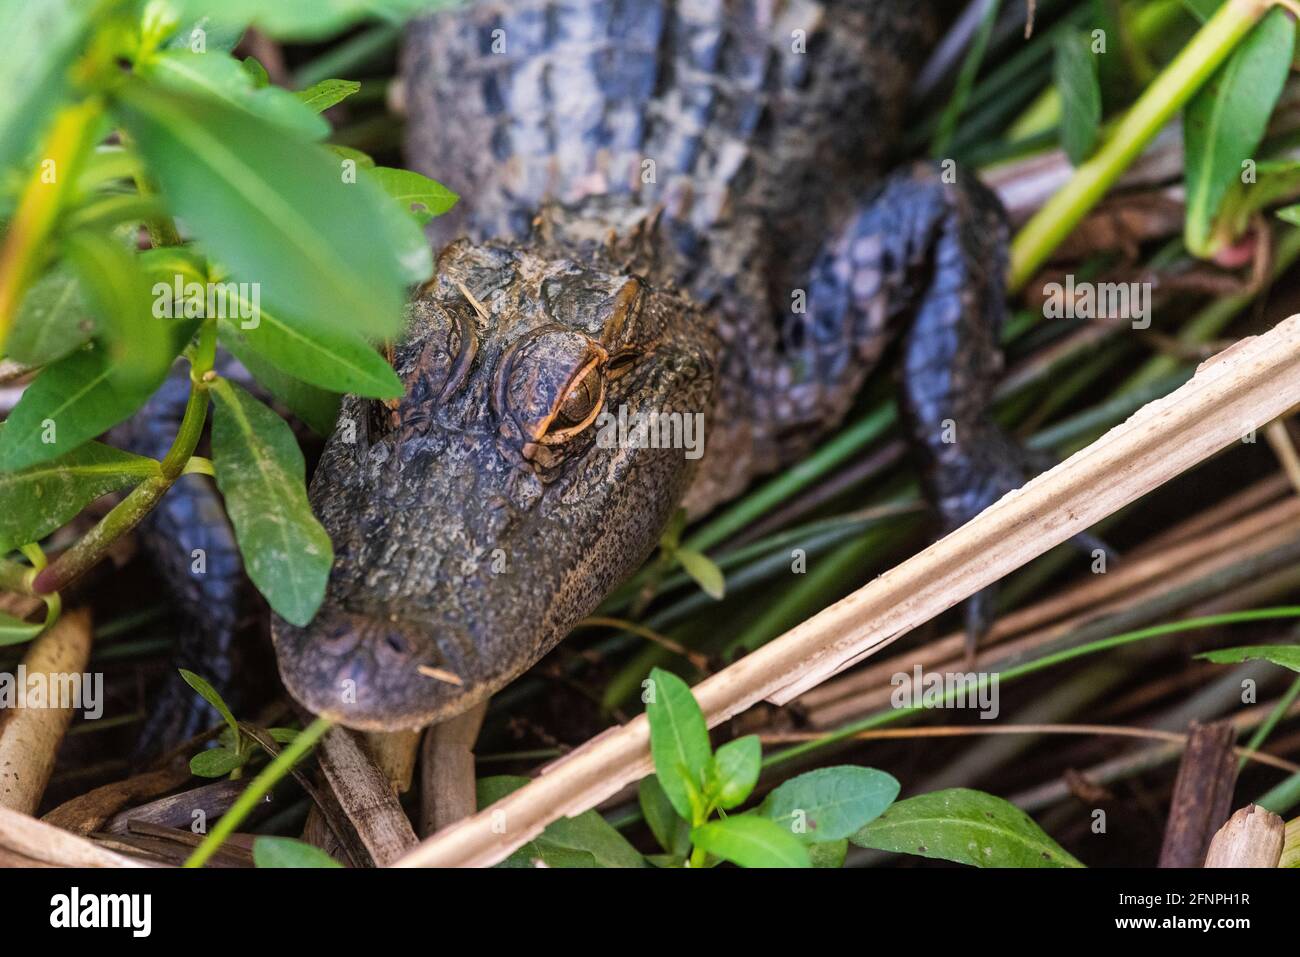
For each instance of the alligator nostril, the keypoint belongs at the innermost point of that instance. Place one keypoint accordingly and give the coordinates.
(397, 643)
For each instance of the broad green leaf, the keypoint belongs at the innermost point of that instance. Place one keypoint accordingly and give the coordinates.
(15, 631)
(52, 321)
(210, 695)
(587, 840)
(117, 291)
(420, 196)
(332, 359)
(277, 211)
(362, 160)
(704, 571)
(41, 498)
(751, 841)
(1202, 9)
(307, 19)
(74, 400)
(734, 771)
(968, 827)
(327, 93)
(679, 741)
(1273, 182)
(283, 735)
(222, 77)
(830, 803)
(200, 33)
(256, 72)
(1288, 656)
(1075, 72)
(260, 472)
(830, 854)
(1225, 121)
(670, 830)
(288, 852)
(316, 407)
(41, 39)
(215, 762)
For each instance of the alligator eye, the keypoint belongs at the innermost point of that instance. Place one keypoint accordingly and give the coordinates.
(581, 398)
(578, 407)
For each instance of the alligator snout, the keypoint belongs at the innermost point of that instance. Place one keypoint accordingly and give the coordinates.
(373, 672)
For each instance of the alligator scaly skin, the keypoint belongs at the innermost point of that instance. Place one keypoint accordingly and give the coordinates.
(670, 207)
(753, 128)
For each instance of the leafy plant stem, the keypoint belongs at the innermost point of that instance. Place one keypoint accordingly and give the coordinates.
(1268, 724)
(1163, 98)
(70, 138)
(128, 513)
(257, 788)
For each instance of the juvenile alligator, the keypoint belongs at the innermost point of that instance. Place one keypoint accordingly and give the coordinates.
(671, 207)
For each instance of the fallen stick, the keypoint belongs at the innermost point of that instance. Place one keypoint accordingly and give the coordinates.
(27, 837)
(1251, 838)
(1241, 389)
(30, 736)
(1202, 798)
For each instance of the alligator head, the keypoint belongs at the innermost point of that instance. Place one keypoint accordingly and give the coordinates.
(479, 517)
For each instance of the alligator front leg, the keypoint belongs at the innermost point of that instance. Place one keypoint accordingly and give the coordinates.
(926, 257)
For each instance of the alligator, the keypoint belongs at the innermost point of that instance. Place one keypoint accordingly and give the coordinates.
(672, 207)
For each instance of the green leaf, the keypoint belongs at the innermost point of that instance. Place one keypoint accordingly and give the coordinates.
(587, 840)
(215, 762)
(327, 93)
(222, 77)
(223, 36)
(209, 694)
(277, 211)
(670, 830)
(288, 852)
(74, 400)
(256, 72)
(734, 771)
(1202, 9)
(260, 472)
(679, 741)
(751, 841)
(52, 320)
(41, 498)
(1224, 123)
(1075, 73)
(331, 359)
(283, 735)
(307, 19)
(139, 350)
(1288, 656)
(363, 160)
(969, 827)
(316, 407)
(830, 803)
(829, 854)
(40, 41)
(15, 631)
(420, 196)
(704, 571)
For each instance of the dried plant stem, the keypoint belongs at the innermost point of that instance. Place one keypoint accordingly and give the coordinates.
(30, 736)
(970, 730)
